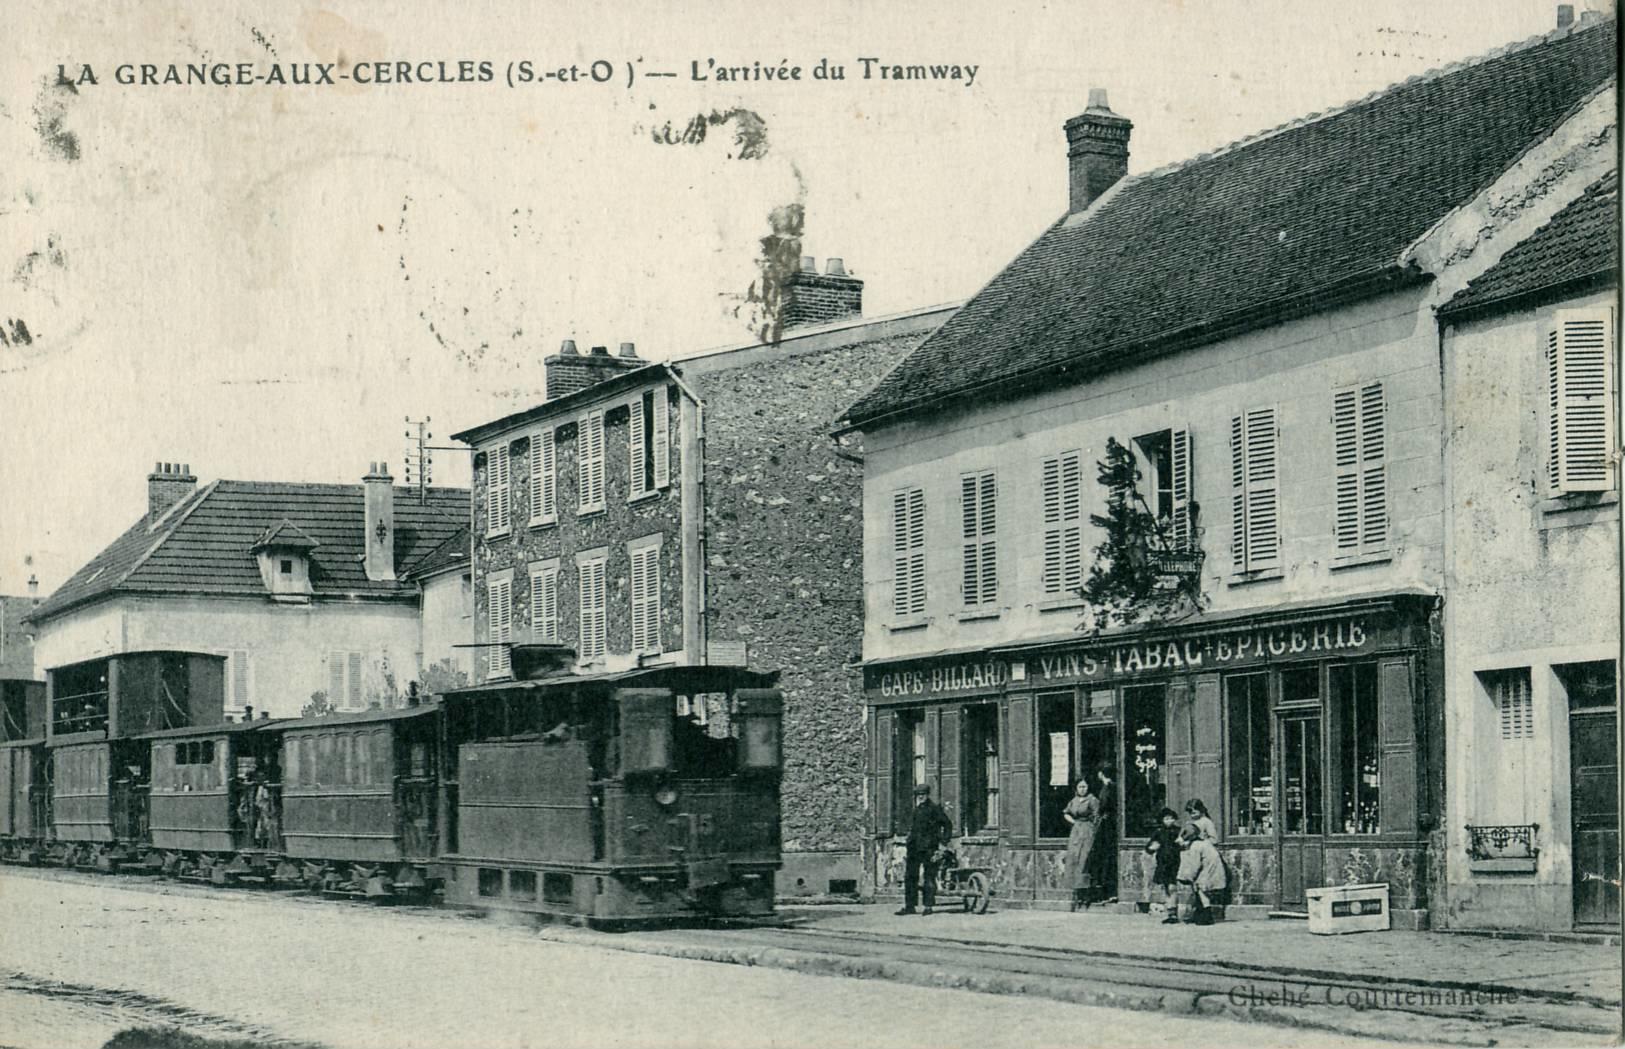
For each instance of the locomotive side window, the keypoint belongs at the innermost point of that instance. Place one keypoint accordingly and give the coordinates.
(290, 760)
(646, 729)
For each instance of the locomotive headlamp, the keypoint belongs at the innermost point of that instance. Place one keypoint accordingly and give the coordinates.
(666, 796)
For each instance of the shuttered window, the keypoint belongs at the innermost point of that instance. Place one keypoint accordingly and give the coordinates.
(646, 599)
(1063, 523)
(648, 444)
(499, 624)
(590, 462)
(590, 580)
(1255, 539)
(344, 680)
(1580, 411)
(1183, 533)
(544, 496)
(237, 694)
(1514, 702)
(544, 603)
(497, 487)
(1359, 430)
(978, 497)
(908, 552)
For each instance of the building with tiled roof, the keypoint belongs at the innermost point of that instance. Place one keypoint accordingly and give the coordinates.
(1163, 506)
(305, 588)
(1531, 619)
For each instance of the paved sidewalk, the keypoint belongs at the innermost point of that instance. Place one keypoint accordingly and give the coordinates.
(1588, 970)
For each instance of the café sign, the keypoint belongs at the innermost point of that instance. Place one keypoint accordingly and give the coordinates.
(1346, 636)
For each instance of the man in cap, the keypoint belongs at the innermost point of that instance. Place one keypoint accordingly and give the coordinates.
(928, 832)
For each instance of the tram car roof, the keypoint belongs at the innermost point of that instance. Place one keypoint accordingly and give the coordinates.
(354, 717)
(687, 679)
(219, 728)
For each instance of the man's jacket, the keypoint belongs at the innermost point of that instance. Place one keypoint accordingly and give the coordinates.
(929, 829)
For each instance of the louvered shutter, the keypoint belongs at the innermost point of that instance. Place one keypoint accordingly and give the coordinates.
(1359, 430)
(544, 605)
(1183, 537)
(1063, 527)
(500, 622)
(591, 585)
(978, 522)
(335, 679)
(543, 484)
(1255, 490)
(497, 486)
(662, 438)
(908, 551)
(590, 461)
(636, 473)
(1580, 417)
(354, 690)
(646, 600)
(1514, 703)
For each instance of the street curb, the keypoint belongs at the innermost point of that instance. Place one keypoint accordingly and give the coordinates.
(817, 963)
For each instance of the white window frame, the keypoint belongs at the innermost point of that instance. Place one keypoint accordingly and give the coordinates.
(641, 485)
(544, 601)
(544, 486)
(908, 554)
(1579, 349)
(1061, 485)
(644, 593)
(979, 539)
(590, 462)
(1179, 533)
(499, 623)
(498, 490)
(1255, 490)
(592, 596)
(1360, 456)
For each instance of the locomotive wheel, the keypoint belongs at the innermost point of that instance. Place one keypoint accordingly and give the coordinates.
(978, 893)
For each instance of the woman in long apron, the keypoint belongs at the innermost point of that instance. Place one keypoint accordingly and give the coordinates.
(1082, 813)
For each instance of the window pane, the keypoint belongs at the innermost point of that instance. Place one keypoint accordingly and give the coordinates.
(1057, 769)
(981, 765)
(1251, 785)
(910, 727)
(1145, 730)
(1359, 776)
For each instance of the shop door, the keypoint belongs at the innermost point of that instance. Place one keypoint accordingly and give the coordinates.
(1302, 840)
(1594, 771)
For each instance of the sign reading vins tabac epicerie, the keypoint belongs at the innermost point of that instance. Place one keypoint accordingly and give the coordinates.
(1329, 637)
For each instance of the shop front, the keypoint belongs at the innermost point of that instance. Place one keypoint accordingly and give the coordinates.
(1312, 734)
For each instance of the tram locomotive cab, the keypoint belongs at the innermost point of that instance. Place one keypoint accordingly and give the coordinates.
(649, 795)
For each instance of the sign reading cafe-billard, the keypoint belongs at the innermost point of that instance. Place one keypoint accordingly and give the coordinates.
(1101, 663)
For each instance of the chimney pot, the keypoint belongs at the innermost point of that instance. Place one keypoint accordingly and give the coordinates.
(1565, 15)
(835, 267)
(809, 264)
(568, 347)
(629, 350)
(33, 584)
(600, 351)
(1097, 151)
(570, 370)
(1590, 17)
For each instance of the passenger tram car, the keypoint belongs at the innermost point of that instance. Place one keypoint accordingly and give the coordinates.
(646, 795)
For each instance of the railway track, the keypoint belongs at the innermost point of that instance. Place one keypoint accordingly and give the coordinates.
(1455, 1011)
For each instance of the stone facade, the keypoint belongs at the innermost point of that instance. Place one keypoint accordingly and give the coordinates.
(784, 527)
(622, 519)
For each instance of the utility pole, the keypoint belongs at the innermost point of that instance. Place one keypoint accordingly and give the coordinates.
(419, 457)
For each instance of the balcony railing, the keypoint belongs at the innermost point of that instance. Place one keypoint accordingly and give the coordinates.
(1503, 847)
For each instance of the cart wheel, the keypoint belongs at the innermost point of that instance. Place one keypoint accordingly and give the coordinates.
(979, 894)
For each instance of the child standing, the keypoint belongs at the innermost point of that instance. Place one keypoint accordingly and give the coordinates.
(1164, 846)
(1201, 872)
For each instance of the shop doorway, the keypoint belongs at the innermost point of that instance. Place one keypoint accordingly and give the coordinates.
(1594, 790)
(1302, 839)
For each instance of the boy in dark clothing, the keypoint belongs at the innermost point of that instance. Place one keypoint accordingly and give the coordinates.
(1164, 845)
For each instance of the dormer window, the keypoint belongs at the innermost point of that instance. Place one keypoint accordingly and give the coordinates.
(283, 553)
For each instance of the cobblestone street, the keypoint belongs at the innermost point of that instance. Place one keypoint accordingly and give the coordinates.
(314, 971)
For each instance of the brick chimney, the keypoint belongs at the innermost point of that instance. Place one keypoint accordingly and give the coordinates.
(167, 485)
(809, 297)
(1096, 150)
(378, 490)
(569, 371)
(1565, 15)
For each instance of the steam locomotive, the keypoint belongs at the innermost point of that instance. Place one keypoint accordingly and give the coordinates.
(650, 794)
